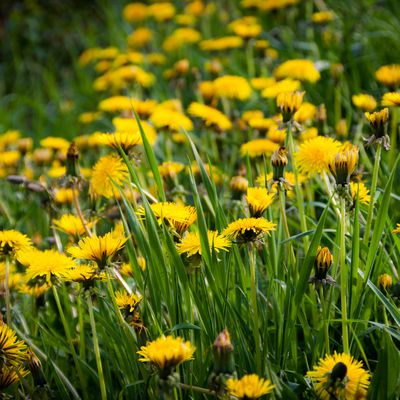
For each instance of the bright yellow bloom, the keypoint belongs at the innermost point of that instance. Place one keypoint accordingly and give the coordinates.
(322, 17)
(124, 103)
(161, 11)
(140, 37)
(315, 155)
(167, 352)
(249, 387)
(172, 120)
(83, 273)
(170, 169)
(344, 164)
(258, 148)
(364, 102)
(98, 248)
(48, 263)
(131, 126)
(12, 242)
(126, 140)
(378, 122)
(223, 43)
(285, 85)
(127, 302)
(9, 376)
(180, 37)
(391, 99)
(191, 243)
(306, 112)
(35, 290)
(385, 281)
(246, 27)
(9, 158)
(303, 70)
(389, 75)
(135, 12)
(71, 225)
(289, 103)
(55, 143)
(239, 184)
(232, 87)
(258, 200)
(108, 172)
(211, 116)
(178, 216)
(63, 196)
(262, 82)
(248, 229)
(359, 188)
(12, 351)
(341, 376)
(378, 118)
(396, 230)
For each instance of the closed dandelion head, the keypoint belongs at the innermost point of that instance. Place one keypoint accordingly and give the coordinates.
(248, 229)
(224, 361)
(315, 155)
(12, 242)
(249, 387)
(378, 122)
(340, 376)
(99, 249)
(303, 70)
(279, 161)
(258, 200)
(391, 99)
(13, 352)
(108, 172)
(166, 353)
(343, 165)
(322, 263)
(289, 103)
(385, 281)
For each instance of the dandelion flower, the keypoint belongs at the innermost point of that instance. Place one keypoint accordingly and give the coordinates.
(385, 281)
(127, 302)
(170, 169)
(223, 43)
(344, 164)
(378, 122)
(391, 99)
(258, 200)
(126, 140)
(285, 85)
(71, 225)
(322, 17)
(98, 248)
(359, 189)
(107, 172)
(191, 243)
(12, 351)
(12, 241)
(248, 229)
(306, 112)
(364, 102)
(289, 103)
(9, 376)
(258, 148)
(232, 87)
(315, 154)
(389, 75)
(396, 230)
(82, 273)
(322, 263)
(170, 119)
(340, 376)
(166, 353)
(211, 116)
(249, 387)
(303, 70)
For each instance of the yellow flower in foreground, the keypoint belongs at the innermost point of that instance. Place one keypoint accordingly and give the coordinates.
(315, 154)
(258, 200)
(12, 351)
(391, 99)
(389, 75)
(359, 188)
(248, 229)
(108, 172)
(167, 352)
(9, 376)
(341, 377)
(82, 273)
(71, 225)
(126, 301)
(303, 70)
(98, 248)
(47, 263)
(365, 102)
(191, 243)
(12, 241)
(249, 387)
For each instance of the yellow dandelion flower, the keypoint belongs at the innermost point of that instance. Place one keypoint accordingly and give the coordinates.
(135, 12)
(108, 172)
(126, 140)
(306, 112)
(71, 225)
(258, 148)
(262, 82)
(9, 137)
(179, 38)
(322, 17)
(315, 155)
(285, 85)
(12, 242)
(232, 87)
(262, 124)
(276, 135)
(239, 185)
(252, 114)
(258, 200)
(396, 230)
(211, 116)
(9, 376)
(64, 196)
(246, 27)
(389, 75)
(161, 11)
(248, 229)
(249, 387)
(344, 164)
(391, 99)
(378, 122)
(172, 120)
(177, 216)
(125, 104)
(359, 189)
(385, 281)
(89, 117)
(82, 273)
(35, 290)
(339, 375)
(140, 37)
(364, 102)
(127, 302)
(9, 158)
(308, 133)
(170, 169)
(289, 103)
(303, 70)
(12, 351)
(191, 243)
(167, 352)
(98, 248)
(131, 126)
(55, 143)
(47, 264)
(223, 43)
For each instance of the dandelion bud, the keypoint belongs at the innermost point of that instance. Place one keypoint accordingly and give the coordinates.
(224, 361)
(24, 145)
(320, 116)
(385, 281)
(344, 165)
(378, 122)
(35, 366)
(238, 185)
(341, 128)
(181, 67)
(289, 103)
(279, 161)
(322, 263)
(72, 166)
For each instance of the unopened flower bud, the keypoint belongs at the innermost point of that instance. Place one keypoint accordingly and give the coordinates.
(279, 161)
(378, 122)
(385, 281)
(72, 166)
(224, 362)
(289, 103)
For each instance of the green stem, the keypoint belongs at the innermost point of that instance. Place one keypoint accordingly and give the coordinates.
(343, 275)
(96, 349)
(198, 389)
(393, 137)
(70, 343)
(7, 292)
(253, 283)
(251, 71)
(325, 317)
(373, 190)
